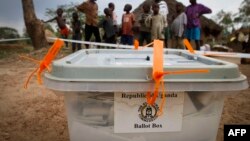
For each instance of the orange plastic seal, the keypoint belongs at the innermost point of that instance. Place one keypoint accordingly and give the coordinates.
(157, 72)
(136, 44)
(188, 46)
(158, 75)
(191, 50)
(45, 63)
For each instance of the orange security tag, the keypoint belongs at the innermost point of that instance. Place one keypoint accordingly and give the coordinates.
(157, 70)
(158, 60)
(158, 74)
(136, 44)
(45, 63)
(49, 57)
(188, 46)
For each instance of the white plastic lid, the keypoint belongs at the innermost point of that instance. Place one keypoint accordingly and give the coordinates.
(131, 70)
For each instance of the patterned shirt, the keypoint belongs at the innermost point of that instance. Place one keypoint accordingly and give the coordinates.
(91, 11)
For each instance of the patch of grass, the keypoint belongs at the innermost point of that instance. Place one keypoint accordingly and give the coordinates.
(3, 54)
(7, 50)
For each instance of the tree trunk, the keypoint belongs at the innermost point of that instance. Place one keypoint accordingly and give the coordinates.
(34, 26)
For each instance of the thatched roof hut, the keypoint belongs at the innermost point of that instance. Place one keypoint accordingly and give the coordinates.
(209, 27)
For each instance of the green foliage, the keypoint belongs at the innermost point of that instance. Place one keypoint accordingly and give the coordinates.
(225, 19)
(244, 13)
(7, 50)
(8, 33)
(245, 8)
(231, 20)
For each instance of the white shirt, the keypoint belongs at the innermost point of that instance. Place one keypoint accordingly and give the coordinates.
(177, 26)
(163, 9)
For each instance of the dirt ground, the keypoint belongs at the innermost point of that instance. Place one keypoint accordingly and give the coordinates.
(37, 114)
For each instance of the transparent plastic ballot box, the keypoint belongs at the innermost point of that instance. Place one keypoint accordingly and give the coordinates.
(90, 80)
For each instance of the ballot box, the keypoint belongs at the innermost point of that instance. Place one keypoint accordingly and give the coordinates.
(105, 95)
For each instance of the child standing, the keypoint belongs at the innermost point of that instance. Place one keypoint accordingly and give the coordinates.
(194, 12)
(145, 34)
(61, 22)
(90, 9)
(108, 26)
(77, 35)
(128, 20)
(178, 27)
(157, 23)
(163, 10)
(113, 14)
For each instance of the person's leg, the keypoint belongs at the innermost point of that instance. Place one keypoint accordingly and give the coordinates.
(175, 42)
(97, 34)
(88, 33)
(64, 37)
(188, 34)
(107, 40)
(148, 37)
(167, 36)
(66, 43)
(141, 38)
(244, 46)
(73, 44)
(180, 43)
(79, 46)
(165, 43)
(197, 37)
(130, 40)
(79, 39)
(113, 39)
(123, 39)
(197, 44)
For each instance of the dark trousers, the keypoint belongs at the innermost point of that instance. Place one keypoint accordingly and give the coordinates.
(144, 36)
(89, 30)
(110, 40)
(127, 39)
(76, 46)
(65, 37)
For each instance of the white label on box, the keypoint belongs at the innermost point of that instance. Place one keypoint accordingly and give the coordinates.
(134, 115)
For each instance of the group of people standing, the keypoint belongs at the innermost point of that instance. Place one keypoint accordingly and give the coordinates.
(151, 24)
